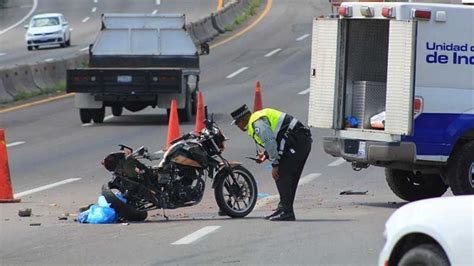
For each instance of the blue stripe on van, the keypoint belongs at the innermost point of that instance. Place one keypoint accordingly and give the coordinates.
(435, 134)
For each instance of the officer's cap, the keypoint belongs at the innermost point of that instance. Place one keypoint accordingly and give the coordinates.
(239, 113)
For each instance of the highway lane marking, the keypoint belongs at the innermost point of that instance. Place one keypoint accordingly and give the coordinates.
(36, 103)
(196, 235)
(84, 49)
(155, 11)
(85, 19)
(308, 178)
(337, 162)
(251, 26)
(303, 37)
(94, 9)
(87, 124)
(31, 191)
(108, 117)
(237, 72)
(158, 2)
(304, 92)
(273, 52)
(35, 5)
(13, 144)
(95, 1)
(49, 59)
(2, 54)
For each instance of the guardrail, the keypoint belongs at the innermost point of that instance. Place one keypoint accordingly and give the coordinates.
(42, 77)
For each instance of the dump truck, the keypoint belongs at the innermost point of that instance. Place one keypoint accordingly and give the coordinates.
(394, 82)
(137, 61)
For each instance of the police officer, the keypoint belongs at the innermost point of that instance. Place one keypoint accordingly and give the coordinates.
(287, 144)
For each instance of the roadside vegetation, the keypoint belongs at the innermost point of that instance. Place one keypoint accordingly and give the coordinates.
(24, 95)
(250, 11)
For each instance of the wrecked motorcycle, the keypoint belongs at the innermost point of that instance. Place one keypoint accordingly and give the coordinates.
(179, 179)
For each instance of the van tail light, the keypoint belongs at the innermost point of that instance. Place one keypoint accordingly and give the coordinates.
(388, 12)
(417, 106)
(345, 11)
(421, 14)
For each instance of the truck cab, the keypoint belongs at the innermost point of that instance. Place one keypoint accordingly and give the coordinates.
(395, 82)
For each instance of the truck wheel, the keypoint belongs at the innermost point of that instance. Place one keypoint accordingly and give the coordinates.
(407, 186)
(86, 115)
(186, 114)
(461, 170)
(117, 110)
(98, 115)
(29, 48)
(194, 100)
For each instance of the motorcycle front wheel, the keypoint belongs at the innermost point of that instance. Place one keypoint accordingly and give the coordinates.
(237, 195)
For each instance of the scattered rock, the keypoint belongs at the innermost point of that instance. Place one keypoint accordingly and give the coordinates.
(25, 212)
(35, 224)
(7, 220)
(350, 192)
(53, 204)
(66, 214)
(392, 202)
(62, 218)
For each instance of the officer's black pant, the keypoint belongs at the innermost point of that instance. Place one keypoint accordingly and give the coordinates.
(291, 166)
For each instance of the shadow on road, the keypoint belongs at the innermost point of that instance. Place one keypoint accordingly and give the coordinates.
(390, 204)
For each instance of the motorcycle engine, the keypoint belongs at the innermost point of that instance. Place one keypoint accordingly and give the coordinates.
(187, 187)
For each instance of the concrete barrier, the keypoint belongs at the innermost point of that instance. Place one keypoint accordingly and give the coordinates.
(17, 80)
(4, 96)
(41, 76)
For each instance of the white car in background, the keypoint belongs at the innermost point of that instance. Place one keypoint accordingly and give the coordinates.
(47, 29)
(431, 232)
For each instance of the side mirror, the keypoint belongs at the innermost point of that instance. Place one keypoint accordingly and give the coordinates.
(65, 23)
(26, 26)
(205, 48)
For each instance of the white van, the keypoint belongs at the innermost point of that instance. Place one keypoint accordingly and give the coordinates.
(396, 83)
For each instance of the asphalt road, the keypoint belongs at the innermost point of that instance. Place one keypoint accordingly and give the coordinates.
(84, 19)
(52, 146)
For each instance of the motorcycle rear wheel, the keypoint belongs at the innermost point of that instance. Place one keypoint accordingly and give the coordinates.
(124, 210)
(236, 197)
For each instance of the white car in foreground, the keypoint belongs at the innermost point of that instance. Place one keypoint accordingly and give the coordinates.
(431, 232)
(47, 29)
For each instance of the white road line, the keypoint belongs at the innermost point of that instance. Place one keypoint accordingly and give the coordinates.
(2, 54)
(87, 124)
(31, 191)
(303, 37)
(85, 19)
(15, 144)
(273, 52)
(154, 12)
(337, 162)
(196, 235)
(308, 178)
(237, 72)
(95, 1)
(49, 59)
(84, 49)
(71, 29)
(94, 9)
(304, 92)
(35, 5)
(158, 2)
(108, 117)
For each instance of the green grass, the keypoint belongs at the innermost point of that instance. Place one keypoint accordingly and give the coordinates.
(249, 11)
(25, 95)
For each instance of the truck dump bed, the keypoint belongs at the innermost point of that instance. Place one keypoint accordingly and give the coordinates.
(144, 40)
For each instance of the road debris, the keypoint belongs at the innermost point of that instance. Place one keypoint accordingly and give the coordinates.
(35, 224)
(62, 218)
(25, 212)
(350, 192)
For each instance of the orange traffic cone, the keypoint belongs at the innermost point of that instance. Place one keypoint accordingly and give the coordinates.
(258, 104)
(173, 125)
(6, 192)
(199, 115)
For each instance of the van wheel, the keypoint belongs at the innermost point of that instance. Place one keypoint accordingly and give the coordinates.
(86, 115)
(98, 115)
(407, 186)
(461, 170)
(186, 114)
(29, 48)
